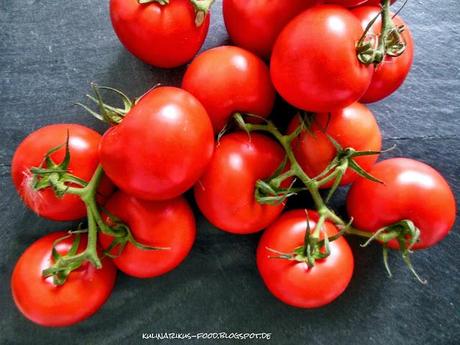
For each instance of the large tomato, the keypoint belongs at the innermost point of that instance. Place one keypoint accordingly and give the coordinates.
(411, 190)
(354, 126)
(391, 73)
(161, 35)
(293, 282)
(225, 193)
(229, 79)
(168, 224)
(346, 3)
(161, 147)
(84, 159)
(42, 302)
(255, 24)
(314, 65)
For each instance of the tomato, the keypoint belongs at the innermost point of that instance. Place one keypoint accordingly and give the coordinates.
(161, 35)
(225, 193)
(354, 126)
(412, 190)
(84, 159)
(229, 79)
(293, 282)
(168, 224)
(255, 24)
(314, 65)
(346, 3)
(391, 73)
(376, 2)
(46, 304)
(161, 147)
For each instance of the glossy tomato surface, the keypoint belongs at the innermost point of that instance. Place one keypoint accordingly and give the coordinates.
(412, 190)
(225, 193)
(293, 282)
(346, 3)
(391, 73)
(160, 35)
(161, 147)
(352, 127)
(84, 158)
(167, 224)
(255, 24)
(314, 65)
(46, 304)
(227, 80)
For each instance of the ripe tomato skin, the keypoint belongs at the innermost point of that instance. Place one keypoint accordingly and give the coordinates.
(411, 190)
(254, 25)
(377, 2)
(225, 192)
(46, 304)
(229, 79)
(314, 65)
(391, 73)
(160, 35)
(293, 282)
(346, 3)
(354, 126)
(84, 159)
(161, 147)
(168, 224)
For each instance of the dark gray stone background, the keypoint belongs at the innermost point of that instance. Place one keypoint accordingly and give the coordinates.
(49, 53)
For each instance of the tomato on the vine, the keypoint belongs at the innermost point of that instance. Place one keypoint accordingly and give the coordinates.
(389, 75)
(255, 24)
(352, 127)
(161, 35)
(168, 224)
(346, 3)
(83, 144)
(161, 147)
(47, 304)
(227, 80)
(293, 282)
(314, 64)
(225, 192)
(411, 190)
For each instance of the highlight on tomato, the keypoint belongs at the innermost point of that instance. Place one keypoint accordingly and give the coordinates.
(41, 301)
(411, 190)
(162, 33)
(64, 152)
(353, 127)
(161, 147)
(168, 225)
(314, 64)
(287, 271)
(254, 24)
(227, 80)
(225, 194)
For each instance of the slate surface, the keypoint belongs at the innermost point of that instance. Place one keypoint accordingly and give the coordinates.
(51, 50)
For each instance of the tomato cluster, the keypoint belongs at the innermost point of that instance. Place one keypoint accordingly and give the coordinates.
(215, 135)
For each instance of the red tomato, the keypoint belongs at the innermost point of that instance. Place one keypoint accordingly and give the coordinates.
(376, 2)
(354, 126)
(160, 35)
(347, 3)
(255, 24)
(46, 304)
(227, 80)
(391, 73)
(412, 190)
(169, 224)
(161, 147)
(84, 159)
(314, 65)
(293, 282)
(225, 193)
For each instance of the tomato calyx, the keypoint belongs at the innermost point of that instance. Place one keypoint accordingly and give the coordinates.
(202, 8)
(404, 232)
(313, 248)
(111, 115)
(161, 2)
(372, 49)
